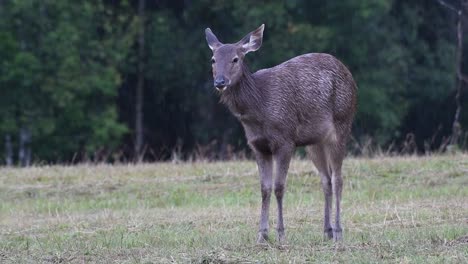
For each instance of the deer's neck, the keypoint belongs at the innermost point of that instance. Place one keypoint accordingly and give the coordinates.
(245, 97)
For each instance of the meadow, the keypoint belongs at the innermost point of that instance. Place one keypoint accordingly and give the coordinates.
(395, 210)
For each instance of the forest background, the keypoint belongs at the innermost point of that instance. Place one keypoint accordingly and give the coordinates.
(109, 80)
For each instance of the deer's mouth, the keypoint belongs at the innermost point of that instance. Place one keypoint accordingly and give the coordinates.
(221, 89)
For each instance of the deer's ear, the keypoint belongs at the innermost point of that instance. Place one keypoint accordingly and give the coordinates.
(213, 42)
(253, 40)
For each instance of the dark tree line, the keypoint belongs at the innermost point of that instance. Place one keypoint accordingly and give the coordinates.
(125, 80)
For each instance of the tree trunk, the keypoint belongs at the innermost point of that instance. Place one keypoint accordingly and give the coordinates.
(140, 84)
(24, 151)
(456, 128)
(8, 150)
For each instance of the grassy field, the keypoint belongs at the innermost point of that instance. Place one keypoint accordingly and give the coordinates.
(395, 210)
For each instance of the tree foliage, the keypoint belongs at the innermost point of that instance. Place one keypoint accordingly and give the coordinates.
(60, 74)
(68, 70)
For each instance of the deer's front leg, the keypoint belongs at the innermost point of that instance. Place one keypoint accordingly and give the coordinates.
(265, 167)
(282, 159)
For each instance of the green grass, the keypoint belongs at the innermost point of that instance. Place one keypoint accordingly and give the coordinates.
(395, 210)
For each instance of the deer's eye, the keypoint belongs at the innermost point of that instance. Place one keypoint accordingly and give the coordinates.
(235, 60)
(213, 60)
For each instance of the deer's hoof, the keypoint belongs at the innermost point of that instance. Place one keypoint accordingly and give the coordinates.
(337, 235)
(281, 238)
(328, 233)
(262, 238)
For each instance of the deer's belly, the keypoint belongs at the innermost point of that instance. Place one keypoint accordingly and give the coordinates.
(308, 134)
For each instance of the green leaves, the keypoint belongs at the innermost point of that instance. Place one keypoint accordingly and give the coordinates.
(61, 75)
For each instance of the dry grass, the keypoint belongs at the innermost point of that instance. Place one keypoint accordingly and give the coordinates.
(395, 210)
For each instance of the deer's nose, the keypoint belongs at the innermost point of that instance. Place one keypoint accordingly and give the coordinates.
(219, 82)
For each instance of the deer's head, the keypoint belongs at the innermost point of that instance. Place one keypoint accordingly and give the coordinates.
(227, 60)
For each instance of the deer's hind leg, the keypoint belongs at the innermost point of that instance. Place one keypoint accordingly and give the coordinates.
(336, 154)
(320, 160)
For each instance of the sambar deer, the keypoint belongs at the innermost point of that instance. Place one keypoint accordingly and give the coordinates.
(309, 100)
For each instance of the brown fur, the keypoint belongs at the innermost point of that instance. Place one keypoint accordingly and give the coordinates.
(309, 100)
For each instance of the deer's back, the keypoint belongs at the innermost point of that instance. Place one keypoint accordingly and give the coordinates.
(309, 97)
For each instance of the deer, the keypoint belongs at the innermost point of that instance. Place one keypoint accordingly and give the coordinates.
(309, 100)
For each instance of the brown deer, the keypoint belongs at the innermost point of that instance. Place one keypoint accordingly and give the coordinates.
(309, 100)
